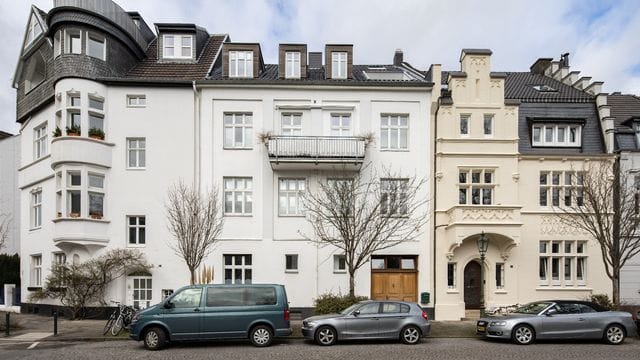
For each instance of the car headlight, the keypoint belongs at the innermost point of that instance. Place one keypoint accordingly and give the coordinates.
(135, 318)
(498, 323)
(311, 323)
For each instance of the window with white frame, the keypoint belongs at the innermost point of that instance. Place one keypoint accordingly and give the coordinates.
(177, 46)
(96, 45)
(393, 199)
(499, 275)
(73, 100)
(339, 263)
(96, 195)
(464, 125)
(40, 141)
(451, 275)
(166, 293)
(556, 135)
(238, 195)
(136, 153)
(475, 186)
(136, 230)
(562, 262)
(74, 194)
(561, 188)
(394, 132)
(238, 130)
(292, 65)
(291, 262)
(292, 124)
(290, 196)
(59, 258)
(340, 125)
(34, 30)
(488, 125)
(240, 63)
(142, 291)
(237, 269)
(36, 270)
(73, 41)
(57, 43)
(136, 100)
(338, 65)
(36, 209)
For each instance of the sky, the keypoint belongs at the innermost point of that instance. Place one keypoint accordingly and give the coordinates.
(602, 36)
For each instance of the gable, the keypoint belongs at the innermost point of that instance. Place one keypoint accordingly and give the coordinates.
(36, 27)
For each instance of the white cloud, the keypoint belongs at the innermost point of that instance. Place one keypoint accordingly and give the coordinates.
(602, 37)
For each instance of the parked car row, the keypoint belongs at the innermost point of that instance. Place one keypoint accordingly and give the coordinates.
(261, 312)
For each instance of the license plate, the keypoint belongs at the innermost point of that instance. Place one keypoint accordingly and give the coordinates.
(482, 328)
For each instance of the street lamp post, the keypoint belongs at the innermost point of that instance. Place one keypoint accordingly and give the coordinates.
(483, 245)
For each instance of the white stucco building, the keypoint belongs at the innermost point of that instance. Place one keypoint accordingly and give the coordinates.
(9, 194)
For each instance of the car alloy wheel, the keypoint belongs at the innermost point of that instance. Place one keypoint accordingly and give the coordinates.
(614, 334)
(261, 336)
(410, 335)
(326, 336)
(154, 338)
(523, 335)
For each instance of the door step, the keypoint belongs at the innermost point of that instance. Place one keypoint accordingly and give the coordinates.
(471, 314)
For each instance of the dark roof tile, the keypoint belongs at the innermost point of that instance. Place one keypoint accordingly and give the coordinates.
(519, 85)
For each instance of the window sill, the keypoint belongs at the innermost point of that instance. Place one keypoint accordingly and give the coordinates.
(453, 291)
(394, 150)
(502, 292)
(35, 228)
(236, 148)
(563, 288)
(238, 215)
(290, 216)
(136, 168)
(136, 245)
(339, 271)
(34, 288)
(291, 271)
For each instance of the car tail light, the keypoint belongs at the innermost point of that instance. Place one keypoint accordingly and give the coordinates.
(287, 314)
(424, 315)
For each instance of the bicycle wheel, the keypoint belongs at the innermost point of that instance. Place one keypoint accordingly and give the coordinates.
(109, 324)
(117, 326)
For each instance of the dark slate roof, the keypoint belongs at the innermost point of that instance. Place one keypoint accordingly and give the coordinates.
(151, 69)
(4, 135)
(623, 109)
(519, 85)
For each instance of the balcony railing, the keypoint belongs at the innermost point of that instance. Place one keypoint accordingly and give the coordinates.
(317, 148)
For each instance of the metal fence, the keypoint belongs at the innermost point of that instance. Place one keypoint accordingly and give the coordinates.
(317, 147)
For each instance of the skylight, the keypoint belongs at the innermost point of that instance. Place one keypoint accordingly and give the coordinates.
(544, 88)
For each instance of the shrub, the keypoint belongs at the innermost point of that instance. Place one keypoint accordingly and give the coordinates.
(603, 300)
(331, 303)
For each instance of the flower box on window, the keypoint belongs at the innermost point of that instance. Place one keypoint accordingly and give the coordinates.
(73, 130)
(74, 214)
(96, 133)
(96, 215)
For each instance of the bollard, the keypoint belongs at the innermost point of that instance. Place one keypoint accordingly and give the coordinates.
(55, 323)
(6, 329)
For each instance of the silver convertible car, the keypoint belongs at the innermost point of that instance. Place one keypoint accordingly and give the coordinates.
(559, 319)
(370, 320)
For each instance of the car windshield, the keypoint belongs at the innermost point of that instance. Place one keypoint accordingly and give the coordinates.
(532, 308)
(349, 309)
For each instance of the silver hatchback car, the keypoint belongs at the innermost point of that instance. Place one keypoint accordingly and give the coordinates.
(370, 320)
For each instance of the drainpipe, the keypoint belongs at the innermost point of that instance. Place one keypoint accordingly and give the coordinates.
(196, 136)
(435, 184)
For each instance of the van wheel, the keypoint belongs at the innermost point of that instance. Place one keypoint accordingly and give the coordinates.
(261, 336)
(154, 338)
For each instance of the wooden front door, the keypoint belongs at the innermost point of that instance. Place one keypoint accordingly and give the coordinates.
(472, 285)
(390, 285)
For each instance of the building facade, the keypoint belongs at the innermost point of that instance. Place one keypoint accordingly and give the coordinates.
(9, 194)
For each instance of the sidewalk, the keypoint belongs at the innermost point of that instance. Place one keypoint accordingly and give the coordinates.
(40, 328)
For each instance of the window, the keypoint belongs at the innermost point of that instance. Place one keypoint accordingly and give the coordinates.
(488, 125)
(74, 197)
(36, 209)
(339, 65)
(36, 72)
(143, 291)
(563, 188)
(238, 130)
(136, 230)
(339, 263)
(291, 263)
(475, 187)
(499, 275)
(394, 196)
(40, 141)
(394, 132)
(36, 270)
(187, 298)
(59, 258)
(136, 153)
(290, 196)
(340, 125)
(166, 293)
(563, 135)
(385, 262)
(96, 196)
(96, 45)
(240, 63)
(237, 269)
(74, 100)
(464, 125)
(136, 101)
(238, 196)
(57, 42)
(241, 296)
(292, 124)
(292, 65)
(96, 103)
(562, 263)
(451, 275)
(33, 31)
(73, 41)
(73, 121)
(177, 46)
(369, 308)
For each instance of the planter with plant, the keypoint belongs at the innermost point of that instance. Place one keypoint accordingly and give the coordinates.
(73, 130)
(264, 137)
(96, 133)
(57, 132)
(96, 215)
(74, 214)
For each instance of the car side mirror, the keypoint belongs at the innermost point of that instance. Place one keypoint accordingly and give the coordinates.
(551, 312)
(356, 313)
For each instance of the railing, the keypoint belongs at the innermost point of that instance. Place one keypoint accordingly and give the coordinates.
(317, 147)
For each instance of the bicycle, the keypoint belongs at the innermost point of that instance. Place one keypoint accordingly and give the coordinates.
(119, 319)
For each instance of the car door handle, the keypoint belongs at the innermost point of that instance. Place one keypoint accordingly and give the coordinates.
(196, 309)
(375, 319)
(582, 319)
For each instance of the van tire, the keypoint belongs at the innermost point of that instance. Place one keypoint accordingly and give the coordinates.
(154, 338)
(261, 336)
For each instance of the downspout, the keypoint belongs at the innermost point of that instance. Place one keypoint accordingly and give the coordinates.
(196, 136)
(435, 184)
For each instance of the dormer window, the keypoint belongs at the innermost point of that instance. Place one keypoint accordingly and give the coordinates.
(73, 42)
(177, 46)
(556, 135)
(292, 61)
(34, 30)
(241, 64)
(339, 65)
(96, 45)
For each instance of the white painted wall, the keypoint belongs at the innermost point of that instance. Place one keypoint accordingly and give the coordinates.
(9, 194)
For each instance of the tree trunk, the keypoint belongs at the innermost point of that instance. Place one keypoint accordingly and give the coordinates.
(193, 276)
(615, 282)
(352, 282)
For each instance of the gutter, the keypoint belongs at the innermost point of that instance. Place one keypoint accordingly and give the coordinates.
(196, 136)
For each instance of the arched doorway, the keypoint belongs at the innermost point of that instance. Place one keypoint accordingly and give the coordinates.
(472, 286)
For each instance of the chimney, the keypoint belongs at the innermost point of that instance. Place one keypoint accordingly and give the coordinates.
(540, 66)
(398, 57)
(315, 60)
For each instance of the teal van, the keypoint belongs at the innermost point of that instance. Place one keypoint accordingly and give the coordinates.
(207, 312)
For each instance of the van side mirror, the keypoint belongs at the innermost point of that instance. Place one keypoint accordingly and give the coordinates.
(168, 304)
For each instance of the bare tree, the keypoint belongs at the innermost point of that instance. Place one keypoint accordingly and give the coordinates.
(5, 221)
(195, 220)
(365, 214)
(606, 207)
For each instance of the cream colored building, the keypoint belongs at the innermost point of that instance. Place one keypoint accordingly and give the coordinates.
(507, 147)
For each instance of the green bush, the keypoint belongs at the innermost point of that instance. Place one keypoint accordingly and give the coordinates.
(331, 303)
(9, 270)
(602, 300)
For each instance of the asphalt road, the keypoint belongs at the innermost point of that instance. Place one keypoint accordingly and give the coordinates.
(440, 348)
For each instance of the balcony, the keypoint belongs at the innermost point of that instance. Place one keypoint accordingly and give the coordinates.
(90, 234)
(314, 152)
(78, 149)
